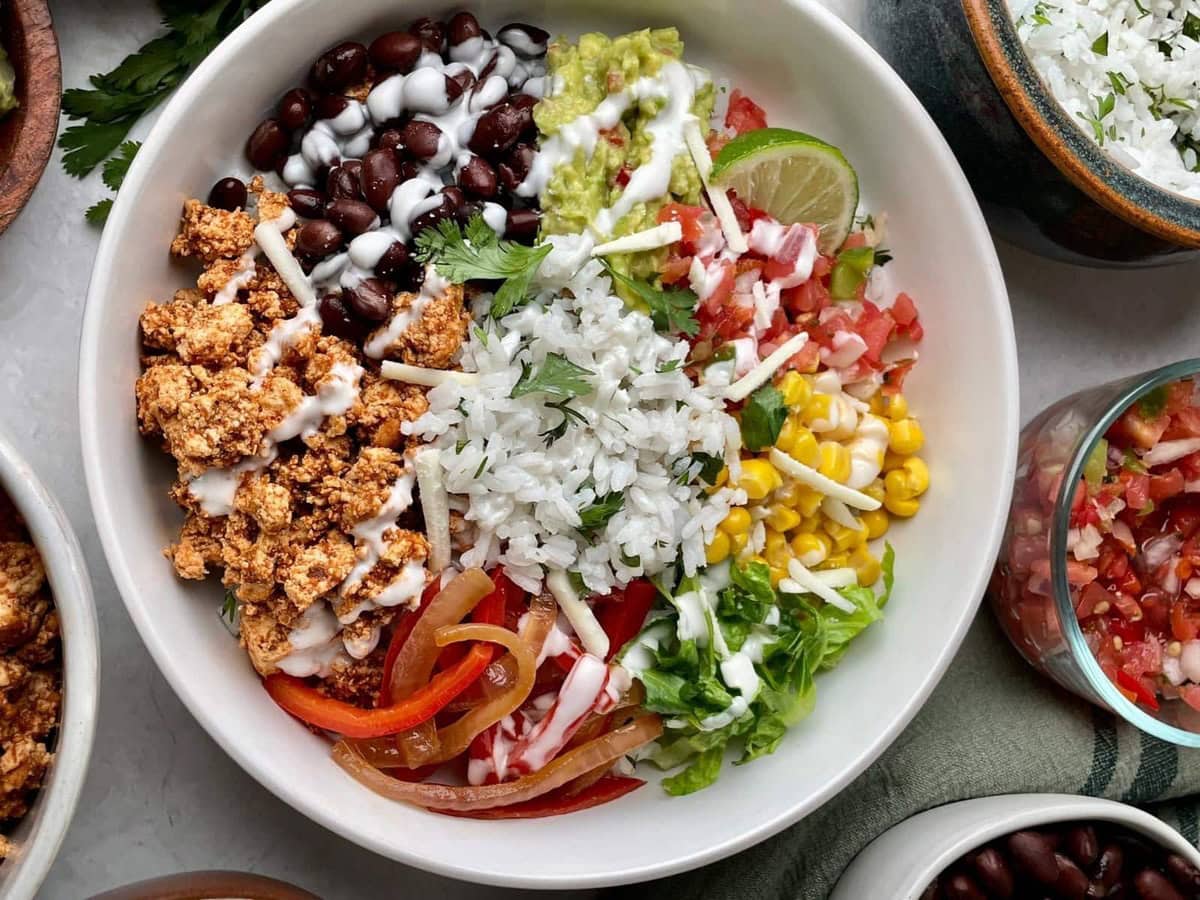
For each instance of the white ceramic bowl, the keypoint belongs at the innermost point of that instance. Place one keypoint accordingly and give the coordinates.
(811, 72)
(901, 862)
(39, 835)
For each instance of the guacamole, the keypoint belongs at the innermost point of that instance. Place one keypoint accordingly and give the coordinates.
(599, 77)
(8, 81)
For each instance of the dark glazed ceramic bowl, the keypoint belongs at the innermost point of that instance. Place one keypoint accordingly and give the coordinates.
(1043, 184)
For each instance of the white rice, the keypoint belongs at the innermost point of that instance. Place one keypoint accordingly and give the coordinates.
(640, 427)
(1149, 100)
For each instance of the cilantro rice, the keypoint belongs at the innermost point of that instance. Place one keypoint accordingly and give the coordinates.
(1128, 72)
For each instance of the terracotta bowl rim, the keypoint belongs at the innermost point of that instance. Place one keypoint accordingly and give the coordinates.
(1143, 204)
(39, 110)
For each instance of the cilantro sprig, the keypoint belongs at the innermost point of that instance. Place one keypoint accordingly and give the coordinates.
(557, 376)
(671, 309)
(106, 111)
(477, 254)
(595, 515)
(763, 417)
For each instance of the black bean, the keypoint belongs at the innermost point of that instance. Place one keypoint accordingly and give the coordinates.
(390, 138)
(398, 50)
(1183, 873)
(1033, 855)
(431, 32)
(408, 170)
(307, 203)
(1081, 844)
(330, 106)
(522, 225)
(478, 178)
(420, 139)
(463, 81)
(380, 175)
(319, 237)
(961, 887)
(352, 216)
(497, 130)
(338, 320)
(1107, 871)
(339, 66)
(992, 871)
(228, 193)
(371, 300)
(444, 210)
(1151, 885)
(393, 262)
(933, 892)
(524, 40)
(342, 182)
(462, 27)
(469, 210)
(455, 196)
(1071, 883)
(268, 145)
(514, 167)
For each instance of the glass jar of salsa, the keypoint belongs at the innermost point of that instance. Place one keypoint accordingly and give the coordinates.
(1098, 579)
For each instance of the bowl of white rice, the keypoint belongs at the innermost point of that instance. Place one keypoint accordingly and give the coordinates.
(1077, 121)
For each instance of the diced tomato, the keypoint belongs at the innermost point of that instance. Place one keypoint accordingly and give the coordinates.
(1137, 489)
(875, 326)
(676, 268)
(854, 240)
(744, 114)
(723, 290)
(1184, 424)
(783, 262)
(1141, 693)
(1185, 626)
(1190, 694)
(1091, 595)
(893, 378)
(1127, 631)
(1141, 432)
(810, 297)
(716, 142)
(623, 175)
(1165, 486)
(688, 218)
(904, 310)
(1179, 398)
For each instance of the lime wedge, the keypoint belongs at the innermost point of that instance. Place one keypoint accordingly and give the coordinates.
(793, 176)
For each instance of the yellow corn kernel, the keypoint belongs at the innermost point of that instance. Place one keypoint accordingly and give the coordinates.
(809, 524)
(918, 475)
(787, 434)
(737, 521)
(808, 502)
(897, 407)
(738, 541)
(722, 477)
(758, 479)
(895, 485)
(796, 389)
(776, 549)
(902, 508)
(719, 549)
(878, 404)
(836, 561)
(843, 537)
(777, 573)
(876, 521)
(805, 448)
(875, 490)
(892, 461)
(862, 534)
(781, 518)
(810, 549)
(834, 461)
(905, 436)
(817, 409)
(866, 567)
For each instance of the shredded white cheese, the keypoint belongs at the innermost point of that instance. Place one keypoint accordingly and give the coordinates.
(717, 197)
(663, 235)
(269, 236)
(425, 377)
(814, 479)
(761, 373)
(803, 581)
(435, 504)
(578, 613)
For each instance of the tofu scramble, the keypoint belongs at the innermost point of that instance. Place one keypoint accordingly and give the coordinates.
(517, 442)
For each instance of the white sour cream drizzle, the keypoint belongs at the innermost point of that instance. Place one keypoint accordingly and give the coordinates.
(433, 287)
(315, 643)
(247, 264)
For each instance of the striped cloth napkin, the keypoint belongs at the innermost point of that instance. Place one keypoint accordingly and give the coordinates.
(993, 726)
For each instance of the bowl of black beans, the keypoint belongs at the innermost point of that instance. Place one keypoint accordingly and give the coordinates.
(1018, 846)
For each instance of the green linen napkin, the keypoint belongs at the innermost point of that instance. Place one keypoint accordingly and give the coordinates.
(993, 726)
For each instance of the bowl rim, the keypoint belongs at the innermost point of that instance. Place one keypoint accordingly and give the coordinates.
(92, 428)
(1136, 200)
(1131, 390)
(40, 108)
(68, 576)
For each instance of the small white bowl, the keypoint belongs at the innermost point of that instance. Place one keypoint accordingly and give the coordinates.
(901, 862)
(811, 72)
(40, 833)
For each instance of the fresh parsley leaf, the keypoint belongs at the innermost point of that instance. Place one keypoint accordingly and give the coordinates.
(670, 366)
(702, 772)
(569, 416)
(557, 376)
(117, 166)
(710, 467)
(1119, 82)
(1152, 404)
(478, 254)
(763, 416)
(1191, 26)
(1100, 45)
(97, 213)
(595, 516)
(229, 607)
(482, 466)
(672, 310)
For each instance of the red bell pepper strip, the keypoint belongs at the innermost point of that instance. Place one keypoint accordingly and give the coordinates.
(311, 706)
(558, 802)
(1139, 690)
(623, 618)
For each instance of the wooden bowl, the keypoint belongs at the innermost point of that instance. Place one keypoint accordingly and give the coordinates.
(27, 133)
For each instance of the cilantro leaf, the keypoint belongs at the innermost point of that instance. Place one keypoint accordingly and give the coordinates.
(117, 167)
(97, 213)
(762, 418)
(558, 376)
(595, 516)
(569, 416)
(1100, 45)
(478, 254)
(672, 310)
(1191, 26)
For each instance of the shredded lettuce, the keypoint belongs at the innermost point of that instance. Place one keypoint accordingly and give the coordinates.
(798, 637)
